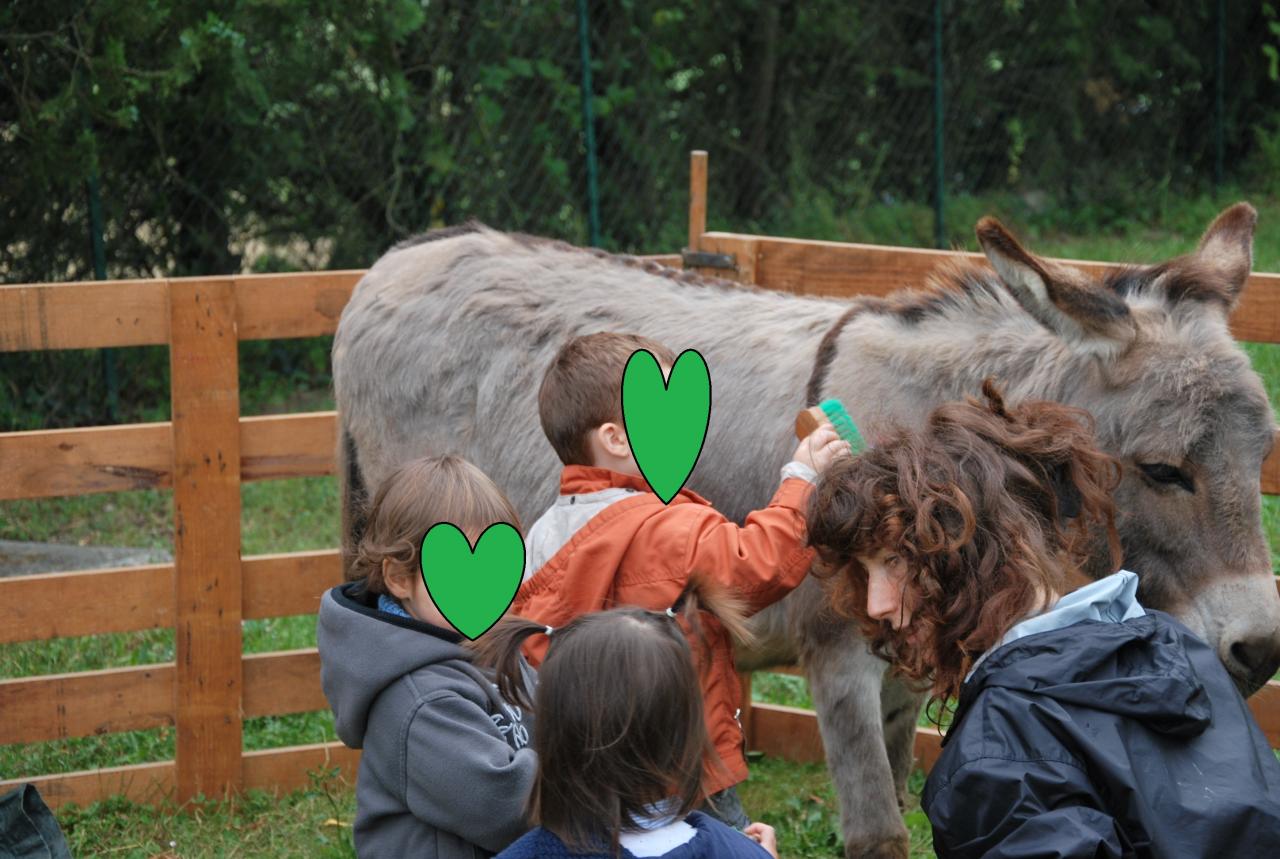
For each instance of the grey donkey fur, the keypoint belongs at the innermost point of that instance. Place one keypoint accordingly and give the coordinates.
(445, 340)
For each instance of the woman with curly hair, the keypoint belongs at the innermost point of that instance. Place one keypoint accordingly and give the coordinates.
(1086, 725)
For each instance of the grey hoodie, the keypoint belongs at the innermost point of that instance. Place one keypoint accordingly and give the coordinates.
(447, 765)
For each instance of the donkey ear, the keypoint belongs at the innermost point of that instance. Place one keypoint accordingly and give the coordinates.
(1062, 299)
(1227, 248)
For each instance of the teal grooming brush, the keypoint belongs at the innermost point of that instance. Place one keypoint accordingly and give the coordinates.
(830, 410)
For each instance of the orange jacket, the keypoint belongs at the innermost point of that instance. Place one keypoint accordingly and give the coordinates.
(639, 551)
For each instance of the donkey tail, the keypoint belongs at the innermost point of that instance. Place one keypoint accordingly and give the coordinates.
(355, 500)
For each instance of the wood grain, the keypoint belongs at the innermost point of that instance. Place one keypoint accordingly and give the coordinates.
(289, 583)
(83, 314)
(65, 605)
(285, 769)
(283, 682)
(298, 445)
(151, 783)
(299, 304)
(86, 703)
(206, 500)
(49, 463)
(697, 198)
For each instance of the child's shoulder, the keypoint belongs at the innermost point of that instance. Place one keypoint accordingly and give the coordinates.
(537, 842)
(721, 840)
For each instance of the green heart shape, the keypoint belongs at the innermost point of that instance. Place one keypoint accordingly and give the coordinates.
(472, 587)
(666, 420)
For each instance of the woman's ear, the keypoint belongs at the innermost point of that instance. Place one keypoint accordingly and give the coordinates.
(399, 583)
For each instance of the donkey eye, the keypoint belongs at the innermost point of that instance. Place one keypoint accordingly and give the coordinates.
(1168, 475)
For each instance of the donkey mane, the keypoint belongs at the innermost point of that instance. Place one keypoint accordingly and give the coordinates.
(537, 243)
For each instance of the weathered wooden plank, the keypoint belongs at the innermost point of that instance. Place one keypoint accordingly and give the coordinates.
(53, 463)
(298, 304)
(1265, 704)
(786, 732)
(64, 605)
(144, 783)
(206, 500)
(86, 314)
(743, 249)
(285, 769)
(290, 583)
(298, 445)
(843, 269)
(277, 770)
(86, 703)
(286, 681)
(928, 747)
(126, 599)
(48, 463)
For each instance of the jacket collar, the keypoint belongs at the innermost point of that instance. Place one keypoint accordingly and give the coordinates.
(1113, 599)
(582, 479)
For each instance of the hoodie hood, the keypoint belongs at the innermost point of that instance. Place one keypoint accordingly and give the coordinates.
(363, 651)
(1138, 669)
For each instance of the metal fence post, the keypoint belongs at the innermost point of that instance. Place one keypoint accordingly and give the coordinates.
(1219, 73)
(588, 123)
(96, 229)
(939, 216)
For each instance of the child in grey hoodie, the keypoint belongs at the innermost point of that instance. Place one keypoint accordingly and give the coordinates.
(447, 765)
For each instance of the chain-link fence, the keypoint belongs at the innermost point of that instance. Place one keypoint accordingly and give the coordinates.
(227, 136)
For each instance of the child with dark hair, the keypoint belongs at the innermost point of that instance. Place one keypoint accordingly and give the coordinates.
(446, 765)
(622, 741)
(1087, 725)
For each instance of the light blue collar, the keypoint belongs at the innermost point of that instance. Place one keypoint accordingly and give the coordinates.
(657, 815)
(390, 605)
(1113, 599)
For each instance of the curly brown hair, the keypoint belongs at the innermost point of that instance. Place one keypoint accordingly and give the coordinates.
(994, 509)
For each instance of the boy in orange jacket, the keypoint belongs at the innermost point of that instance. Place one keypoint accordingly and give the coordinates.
(610, 541)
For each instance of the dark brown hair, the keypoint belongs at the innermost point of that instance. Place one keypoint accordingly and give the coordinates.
(416, 496)
(992, 508)
(620, 713)
(582, 389)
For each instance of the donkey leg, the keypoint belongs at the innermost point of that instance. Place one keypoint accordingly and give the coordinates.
(845, 679)
(901, 710)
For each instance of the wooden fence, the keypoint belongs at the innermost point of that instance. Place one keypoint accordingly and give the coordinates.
(208, 450)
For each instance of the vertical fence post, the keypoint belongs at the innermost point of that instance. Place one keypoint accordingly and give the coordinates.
(206, 558)
(697, 198)
(589, 124)
(939, 217)
(1219, 83)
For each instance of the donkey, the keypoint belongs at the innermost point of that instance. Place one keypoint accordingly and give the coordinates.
(445, 340)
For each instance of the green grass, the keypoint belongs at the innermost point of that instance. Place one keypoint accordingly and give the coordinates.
(300, 514)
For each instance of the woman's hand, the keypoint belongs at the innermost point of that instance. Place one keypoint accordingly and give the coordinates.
(764, 835)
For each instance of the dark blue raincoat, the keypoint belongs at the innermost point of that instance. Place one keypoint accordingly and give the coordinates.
(1104, 739)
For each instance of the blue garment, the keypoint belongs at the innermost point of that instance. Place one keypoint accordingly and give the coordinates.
(713, 841)
(1113, 599)
(1104, 738)
(390, 605)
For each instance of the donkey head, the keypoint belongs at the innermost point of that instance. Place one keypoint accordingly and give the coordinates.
(1176, 401)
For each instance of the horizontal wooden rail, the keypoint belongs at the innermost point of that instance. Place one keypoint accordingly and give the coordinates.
(276, 770)
(787, 731)
(127, 599)
(57, 463)
(91, 314)
(49, 463)
(845, 270)
(88, 703)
